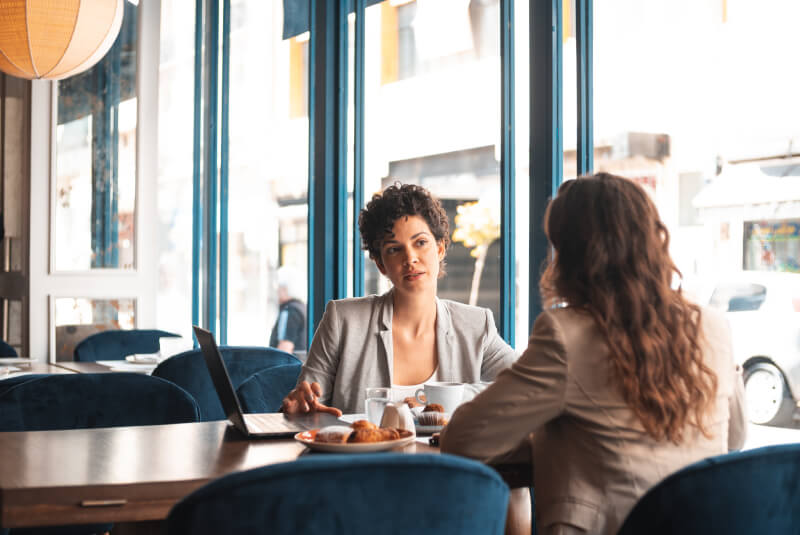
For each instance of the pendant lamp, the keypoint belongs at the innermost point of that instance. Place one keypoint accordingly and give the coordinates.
(54, 39)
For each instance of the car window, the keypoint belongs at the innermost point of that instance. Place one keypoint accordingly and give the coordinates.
(738, 297)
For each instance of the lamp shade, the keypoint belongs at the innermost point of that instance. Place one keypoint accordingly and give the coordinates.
(54, 39)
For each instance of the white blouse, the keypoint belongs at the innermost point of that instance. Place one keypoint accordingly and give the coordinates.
(400, 392)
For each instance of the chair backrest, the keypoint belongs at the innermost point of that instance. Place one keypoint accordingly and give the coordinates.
(116, 345)
(264, 391)
(755, 491)
(11, 382)
(386, 493)
(73, 401)
(6, 350)
(189, 371)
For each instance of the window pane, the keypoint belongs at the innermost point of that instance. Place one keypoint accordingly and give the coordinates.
(175, 153)
(95, 183)
(708, 124)
(268, 170)
(522, 95)
(77, 318)
(432, 105)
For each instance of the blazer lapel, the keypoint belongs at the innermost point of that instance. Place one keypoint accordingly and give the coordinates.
(385, 332)
(445, 345)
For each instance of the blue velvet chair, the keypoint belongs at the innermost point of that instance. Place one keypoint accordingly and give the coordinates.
(116, 345)
(754, 491)
(11, 382)
(386, 493)
(73, 401)
(90, 400)
(264, 391)
(189, 371)
(6, 350)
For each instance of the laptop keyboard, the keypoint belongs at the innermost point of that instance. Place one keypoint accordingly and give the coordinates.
(270, 423)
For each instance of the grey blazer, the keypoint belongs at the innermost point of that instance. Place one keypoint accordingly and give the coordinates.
(592, 458)
(352, 348)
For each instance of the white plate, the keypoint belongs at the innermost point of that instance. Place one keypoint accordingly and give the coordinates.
(142, 359)
(307, 438)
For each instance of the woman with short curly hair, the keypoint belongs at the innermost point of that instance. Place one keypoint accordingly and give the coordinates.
(624, 381)
(407, 336)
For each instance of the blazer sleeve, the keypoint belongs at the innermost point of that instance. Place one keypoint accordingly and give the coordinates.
(522, 398)
(322, 363)
(737, 424)
(497, 354)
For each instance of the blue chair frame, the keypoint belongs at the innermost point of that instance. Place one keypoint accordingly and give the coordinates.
(387, 493)
(189, 371)
(116, 345)
(754, 491)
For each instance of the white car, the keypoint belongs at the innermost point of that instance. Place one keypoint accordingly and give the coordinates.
(763, 309)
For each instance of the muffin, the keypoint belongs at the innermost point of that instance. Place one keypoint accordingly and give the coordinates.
(431, 418)
(333, 434)
(433, 407)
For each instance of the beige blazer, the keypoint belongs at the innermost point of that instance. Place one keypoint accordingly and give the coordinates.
(352, 348)
(592, 459)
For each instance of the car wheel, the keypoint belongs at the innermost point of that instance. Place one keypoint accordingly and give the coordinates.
(767, 395)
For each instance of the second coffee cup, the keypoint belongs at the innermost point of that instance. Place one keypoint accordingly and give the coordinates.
(448, 395)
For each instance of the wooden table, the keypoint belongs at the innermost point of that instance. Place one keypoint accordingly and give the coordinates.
(34, 366)
(124, 474)
(82, 367)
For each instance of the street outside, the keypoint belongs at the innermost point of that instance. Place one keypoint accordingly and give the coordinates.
(764, 435)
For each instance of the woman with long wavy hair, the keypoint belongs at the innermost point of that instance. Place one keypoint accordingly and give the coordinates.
(624, 380)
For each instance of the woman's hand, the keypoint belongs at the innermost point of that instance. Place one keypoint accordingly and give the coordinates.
(304, 399)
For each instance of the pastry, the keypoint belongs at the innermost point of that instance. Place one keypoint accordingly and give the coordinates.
(366, 435)
(333, 434)
(363, 424)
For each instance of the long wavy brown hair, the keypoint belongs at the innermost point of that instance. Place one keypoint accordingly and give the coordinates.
(612, 261)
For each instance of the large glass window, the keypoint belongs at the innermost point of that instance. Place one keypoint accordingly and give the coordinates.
(76, 318)
(176, 116)
(432, 106)
(709, 124)
(95, 181)
(268, 174)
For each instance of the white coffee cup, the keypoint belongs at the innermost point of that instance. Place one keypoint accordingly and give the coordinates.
(448, 395)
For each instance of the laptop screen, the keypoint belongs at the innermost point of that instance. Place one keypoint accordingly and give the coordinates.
(220, 378)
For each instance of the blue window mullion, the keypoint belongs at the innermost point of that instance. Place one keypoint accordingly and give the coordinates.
(223, 178)
(328, 144)
(584, 35)
(546, 163)
(340, 156)
(311, 307)
(358, 148)
(507, 174)
(210, 174)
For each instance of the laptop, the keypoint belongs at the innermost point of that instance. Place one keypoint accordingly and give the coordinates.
(269, 425)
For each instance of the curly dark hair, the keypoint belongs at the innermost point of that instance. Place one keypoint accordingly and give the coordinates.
(376, 221)
(612, 261)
